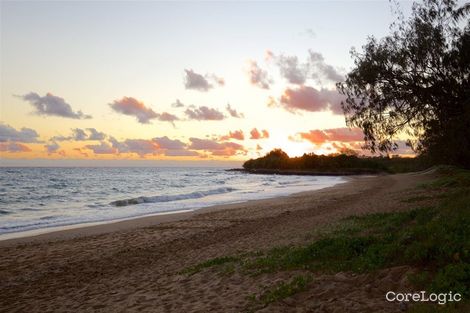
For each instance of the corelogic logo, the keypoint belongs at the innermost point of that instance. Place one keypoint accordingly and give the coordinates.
(422, 296)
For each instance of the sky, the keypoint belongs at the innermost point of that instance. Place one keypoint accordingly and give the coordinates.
(177, 82)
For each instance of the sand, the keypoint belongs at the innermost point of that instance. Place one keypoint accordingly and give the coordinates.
(135, 266)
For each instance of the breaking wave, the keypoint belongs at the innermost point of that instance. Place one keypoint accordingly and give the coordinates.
(170, 198)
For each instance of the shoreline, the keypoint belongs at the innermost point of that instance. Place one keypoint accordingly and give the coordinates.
(102, 227)
(138, 265)
(287, 172)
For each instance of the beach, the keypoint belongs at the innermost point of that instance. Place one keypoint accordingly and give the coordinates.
(138, 265)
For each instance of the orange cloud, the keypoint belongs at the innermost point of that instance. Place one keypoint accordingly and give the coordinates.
(238, 135)
(255, 134)
(133, 107)
(344, 134)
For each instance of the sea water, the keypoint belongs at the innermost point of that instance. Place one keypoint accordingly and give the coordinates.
(38, 198)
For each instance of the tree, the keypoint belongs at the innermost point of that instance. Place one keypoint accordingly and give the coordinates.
(415, 83)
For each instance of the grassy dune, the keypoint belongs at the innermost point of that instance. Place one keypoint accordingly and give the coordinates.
(434, 239)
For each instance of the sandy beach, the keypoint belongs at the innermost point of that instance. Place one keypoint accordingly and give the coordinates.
(136, 265)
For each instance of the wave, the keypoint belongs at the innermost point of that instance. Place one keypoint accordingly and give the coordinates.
(169, 198)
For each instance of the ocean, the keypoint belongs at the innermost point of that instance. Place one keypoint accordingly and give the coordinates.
(43, 198)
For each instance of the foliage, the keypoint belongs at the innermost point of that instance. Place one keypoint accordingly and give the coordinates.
(416, 81)
(278, 159)
(436, 239)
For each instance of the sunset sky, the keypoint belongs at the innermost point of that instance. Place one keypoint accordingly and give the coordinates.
(181, 81)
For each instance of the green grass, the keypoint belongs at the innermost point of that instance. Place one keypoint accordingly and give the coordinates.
(435, 240)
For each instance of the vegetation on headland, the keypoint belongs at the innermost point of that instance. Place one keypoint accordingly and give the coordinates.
(433, 239)
(336, 163)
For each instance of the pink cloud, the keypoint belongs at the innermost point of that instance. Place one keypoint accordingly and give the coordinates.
(133, 107)
(255, 134)
(344, 134)
(310, 99)
(315, 136)
(216, 148)
(14, 147)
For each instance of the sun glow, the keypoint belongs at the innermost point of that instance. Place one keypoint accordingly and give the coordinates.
(292, 148)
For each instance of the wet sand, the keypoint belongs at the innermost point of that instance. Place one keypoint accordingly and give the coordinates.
(135, 265)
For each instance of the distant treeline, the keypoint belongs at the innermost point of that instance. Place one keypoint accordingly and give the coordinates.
(279, 160)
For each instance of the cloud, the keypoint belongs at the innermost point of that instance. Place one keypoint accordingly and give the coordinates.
(310, 99)
(291, 70)
(8, 133)
(102, 148)
(171, 144)
(142, 146)
(53, 106)
(268, 55)
(233, 112)
(345, 140)
(255, 134)
(155, 146)
(258, 77)
(52, 147)
(320, 69)
(219, 80)
(181, 152)
(217, 148)
(79, 134)
(314, 68)
(167, 117)
(204, 113)
(13, 147)
(314, 136)
(343, 134)
(79, 150)
(95, 135)
(199, 82)
(133, 107)
(238, 135)
(177, 104)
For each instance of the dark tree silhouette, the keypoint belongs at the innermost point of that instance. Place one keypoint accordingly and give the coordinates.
(415, 82)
